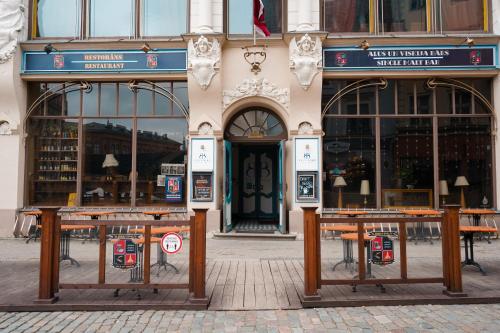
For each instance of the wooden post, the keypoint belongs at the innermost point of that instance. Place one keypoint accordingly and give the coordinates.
(191, 253)
(445, 236)
(147, 254)
(46, 289)
(102, 254)
(56, 253)
(318, 250)
(200, 256)
(361, 252)
(402, 251)
(452, 252)
(311, 247)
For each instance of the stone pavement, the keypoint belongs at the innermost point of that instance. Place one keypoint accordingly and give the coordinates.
(428, 318)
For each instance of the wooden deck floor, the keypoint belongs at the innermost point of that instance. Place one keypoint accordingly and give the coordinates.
(243, 285)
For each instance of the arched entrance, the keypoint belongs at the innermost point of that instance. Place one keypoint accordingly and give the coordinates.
(254, 177)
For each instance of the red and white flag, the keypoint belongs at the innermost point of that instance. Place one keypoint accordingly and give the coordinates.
(259, 22)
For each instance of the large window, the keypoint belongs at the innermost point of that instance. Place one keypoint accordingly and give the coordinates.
(240, 16)
(109, 18)
(84, 144)
(400, 16)
(416, 140)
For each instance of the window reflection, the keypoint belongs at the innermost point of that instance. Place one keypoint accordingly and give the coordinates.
(122, 22)
(107, 161)
(161, 143)
(349, 152)
(463, 15)
(51, 24)
(164, 18)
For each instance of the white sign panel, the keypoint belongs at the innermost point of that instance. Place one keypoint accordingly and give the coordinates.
(307, 154)
(171, 243)
(202, 155)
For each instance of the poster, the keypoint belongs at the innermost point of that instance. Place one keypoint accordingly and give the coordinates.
(382, 248)
(307, 154)
(202, 155)
(124, 254)
(202, 187)
(173, 188)
(306, 187)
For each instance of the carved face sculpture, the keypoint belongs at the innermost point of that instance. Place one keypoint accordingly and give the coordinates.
(202, 46)
(306, 45)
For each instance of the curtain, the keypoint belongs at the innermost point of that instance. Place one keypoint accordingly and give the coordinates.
(462, 15)
(347, 15)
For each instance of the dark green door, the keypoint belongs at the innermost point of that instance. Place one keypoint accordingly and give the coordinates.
(258, 183)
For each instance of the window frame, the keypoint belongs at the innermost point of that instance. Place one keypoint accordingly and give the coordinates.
(433, 21)
(81, 118)
(225, 22)
(434, 116)
(84, 33)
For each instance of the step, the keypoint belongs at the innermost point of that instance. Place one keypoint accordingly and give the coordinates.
(248, 235)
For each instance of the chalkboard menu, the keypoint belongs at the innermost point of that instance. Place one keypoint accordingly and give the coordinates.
(306, 187)
(202, 187)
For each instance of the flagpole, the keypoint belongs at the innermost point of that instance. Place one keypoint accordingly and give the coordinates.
(254, 35)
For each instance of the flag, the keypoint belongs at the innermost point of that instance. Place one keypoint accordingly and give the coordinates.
(259, 22)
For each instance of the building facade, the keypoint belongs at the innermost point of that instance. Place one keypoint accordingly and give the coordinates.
(372, 104)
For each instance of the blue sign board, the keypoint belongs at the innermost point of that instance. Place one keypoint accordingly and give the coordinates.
(118, 61)
(414, 58)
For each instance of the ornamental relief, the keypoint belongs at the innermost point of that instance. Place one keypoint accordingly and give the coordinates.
(11, 24)
(203, 60)
(256, 87)
(306, 59)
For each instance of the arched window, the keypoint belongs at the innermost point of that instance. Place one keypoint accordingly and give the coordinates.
(255, 124)
(411, 140)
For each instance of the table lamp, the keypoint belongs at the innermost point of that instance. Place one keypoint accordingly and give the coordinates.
(443, 190)
(109, 164)
(339, 182)
(461, 182)
(365, 190)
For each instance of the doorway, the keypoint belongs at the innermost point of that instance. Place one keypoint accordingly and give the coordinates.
(254, 177)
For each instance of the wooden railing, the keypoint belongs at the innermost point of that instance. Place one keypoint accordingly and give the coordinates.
(50, 251)
(451, 277)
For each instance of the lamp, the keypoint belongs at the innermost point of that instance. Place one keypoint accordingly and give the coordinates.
(365, 190)
(364, 45)
(146, 48)
(443, 190)
(49, 48)
(461, 182)
(109, 164)
(339, 182)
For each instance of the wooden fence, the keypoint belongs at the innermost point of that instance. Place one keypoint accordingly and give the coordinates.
(452, 274)
(49, 284)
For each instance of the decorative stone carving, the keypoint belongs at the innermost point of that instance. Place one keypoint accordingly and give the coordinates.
(306, 128)
(5, 128)
(256, 87)
(203, 60)
(205, 128)
(305, 59)
(11, 24)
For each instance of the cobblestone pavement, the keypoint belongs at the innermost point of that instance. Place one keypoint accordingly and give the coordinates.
(429, 318)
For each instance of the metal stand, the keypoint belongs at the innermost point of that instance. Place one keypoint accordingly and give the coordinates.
(469, 252)
(348, 256)
(65, 242)
(161, 261)
(34, 231)
(369, 274)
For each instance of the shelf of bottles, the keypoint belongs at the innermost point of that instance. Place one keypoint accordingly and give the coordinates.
(56, 161)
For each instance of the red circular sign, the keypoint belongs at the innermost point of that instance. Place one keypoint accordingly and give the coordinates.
(171, 243)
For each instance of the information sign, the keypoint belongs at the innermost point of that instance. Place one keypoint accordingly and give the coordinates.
(173, 188)
(382, 248)
(306, 187)
(171, 243)
(124, 254)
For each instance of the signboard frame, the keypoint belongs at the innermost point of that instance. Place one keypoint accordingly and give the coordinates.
(202, 154)
(303, 197)
(195, 191)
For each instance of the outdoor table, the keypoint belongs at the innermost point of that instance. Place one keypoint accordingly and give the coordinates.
(476, 214)
(34, 230)
(419, 231)
(468, 232)
(66, 239)
(346, 244)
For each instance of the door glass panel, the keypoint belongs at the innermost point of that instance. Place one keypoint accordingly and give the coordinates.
(249, 183)
(266, 180)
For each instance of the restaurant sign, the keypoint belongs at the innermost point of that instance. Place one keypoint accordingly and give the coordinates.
(382, 247)
(424, 58)
(124, 254)
(132, 61)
